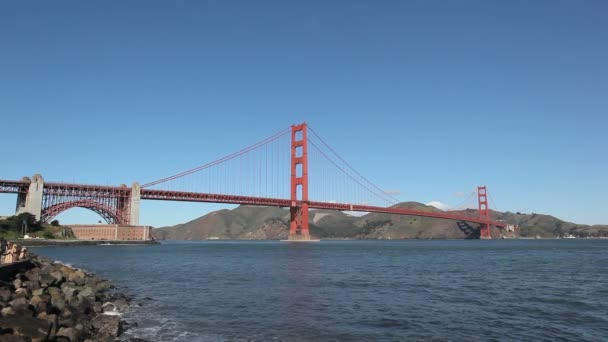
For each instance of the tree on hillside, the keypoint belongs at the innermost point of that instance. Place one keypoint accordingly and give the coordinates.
(17, 223)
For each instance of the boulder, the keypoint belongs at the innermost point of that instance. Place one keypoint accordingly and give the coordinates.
(69, 317)
(55, 325)
(67, 271)
(53, 290)
(121, 305)
(25, 310)
(79, 281)
(47, 280)
(70, 333)
(81, 304)
(13, 338)
(27, 327)
(78, 274)
(17, 283)
(7, 311)
(69, 290)
(103, 286)
(22, 292)
(87, 292)
(39, 303)
(33, 274)
(31, 284)
(18, 301)
(108, 306)
(39, 292)
(83, 329)
(58, 277)
(107, 325)
(5, 294)
(58, 302)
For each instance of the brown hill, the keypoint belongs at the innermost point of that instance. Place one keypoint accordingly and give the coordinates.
(271, 223)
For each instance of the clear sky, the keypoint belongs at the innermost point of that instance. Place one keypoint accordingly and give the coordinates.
(430, 98)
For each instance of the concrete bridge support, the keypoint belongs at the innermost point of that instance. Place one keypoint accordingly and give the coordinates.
(135, 204)
(31, 201)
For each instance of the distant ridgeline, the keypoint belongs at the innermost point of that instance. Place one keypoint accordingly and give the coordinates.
(271, 223)
(13, 227)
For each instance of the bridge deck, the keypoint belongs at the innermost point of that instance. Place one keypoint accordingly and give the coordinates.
(166, 195)
(11, 186)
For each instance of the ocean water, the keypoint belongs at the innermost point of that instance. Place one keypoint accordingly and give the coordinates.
(502, 290)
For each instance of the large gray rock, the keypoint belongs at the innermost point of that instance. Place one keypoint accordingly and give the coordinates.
(13, 338)
(47, 280)
(103, 286)
(121, 305)
(39, 303)
(22, 292)
(31, 284)
(54, 291)
(71, 333)
(78, 274)
(39, 292)
(55, 324)
(7, 311)
(81, 304)
(33, 274)
(80, 281)
(58, 302)
(69, 290)
(87, 292)
(107, 325)
(5, 294)
(18, 301)
(28, 327)
(58, 277)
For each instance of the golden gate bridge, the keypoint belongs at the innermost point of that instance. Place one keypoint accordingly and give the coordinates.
(294, 168)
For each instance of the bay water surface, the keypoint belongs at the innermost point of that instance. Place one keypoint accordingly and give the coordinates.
(503, 290)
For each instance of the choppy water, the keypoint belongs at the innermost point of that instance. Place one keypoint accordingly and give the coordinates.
(554, 290)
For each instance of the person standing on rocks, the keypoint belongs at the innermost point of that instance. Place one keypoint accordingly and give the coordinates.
(3, 248)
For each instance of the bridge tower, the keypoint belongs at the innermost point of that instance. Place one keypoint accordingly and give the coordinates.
(31, 201)
(484, 213)
(134, 206)
(298, 228)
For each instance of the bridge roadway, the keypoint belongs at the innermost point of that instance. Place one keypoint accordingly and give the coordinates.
(96, 191)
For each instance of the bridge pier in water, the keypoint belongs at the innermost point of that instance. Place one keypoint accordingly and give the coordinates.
(484, 213)
(298, 226)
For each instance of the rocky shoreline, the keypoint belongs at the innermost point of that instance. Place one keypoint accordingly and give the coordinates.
(46, 301)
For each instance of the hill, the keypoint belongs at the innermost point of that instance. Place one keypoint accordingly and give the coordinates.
(271, 223)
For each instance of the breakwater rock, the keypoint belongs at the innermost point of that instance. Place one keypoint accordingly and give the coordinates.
(47, 301)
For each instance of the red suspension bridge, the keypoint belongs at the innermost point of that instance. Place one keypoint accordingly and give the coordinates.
(280, 171)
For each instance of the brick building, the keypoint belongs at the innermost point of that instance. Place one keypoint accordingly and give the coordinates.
(111, 232)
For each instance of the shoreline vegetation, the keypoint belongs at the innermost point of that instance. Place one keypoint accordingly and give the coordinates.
(41, 300)
(26, 225)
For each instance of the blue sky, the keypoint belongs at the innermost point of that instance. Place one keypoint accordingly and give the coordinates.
(428, 97)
